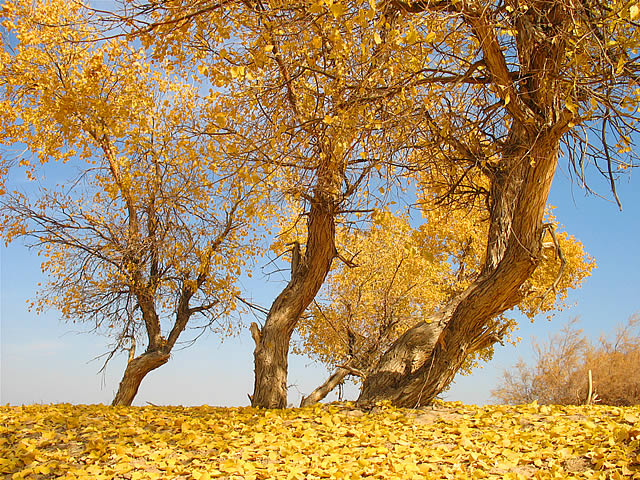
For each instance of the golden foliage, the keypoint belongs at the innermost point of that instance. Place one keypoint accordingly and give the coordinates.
(403, 274)
(145, 202)
(448, 440)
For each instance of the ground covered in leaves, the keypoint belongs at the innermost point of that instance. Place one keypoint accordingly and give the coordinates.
(338, 441)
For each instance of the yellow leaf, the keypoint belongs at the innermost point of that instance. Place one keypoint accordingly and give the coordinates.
(337, 9)
(412, 36)
(221, 120)
(377, 39)
(201, 475)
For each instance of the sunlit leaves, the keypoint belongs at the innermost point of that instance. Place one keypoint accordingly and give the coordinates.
(153, 209)
(400, 275)
(403, 274)
(335, 441)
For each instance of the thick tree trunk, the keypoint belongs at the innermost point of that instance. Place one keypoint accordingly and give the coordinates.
(307, 276)
(423, 361)
(135, 372)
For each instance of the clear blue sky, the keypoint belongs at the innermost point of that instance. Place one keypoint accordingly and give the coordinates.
(45, 361)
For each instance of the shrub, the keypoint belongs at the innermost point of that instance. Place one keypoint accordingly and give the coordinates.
(562, 364)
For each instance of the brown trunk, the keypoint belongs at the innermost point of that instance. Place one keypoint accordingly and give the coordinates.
(135, 372)
(272, 341)
(357, 365)
(405, 356)
(159, 349)
(423, 361)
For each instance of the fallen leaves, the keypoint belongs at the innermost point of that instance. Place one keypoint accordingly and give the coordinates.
(449, 440)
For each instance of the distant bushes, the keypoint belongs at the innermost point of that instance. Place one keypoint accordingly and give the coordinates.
(560, 374)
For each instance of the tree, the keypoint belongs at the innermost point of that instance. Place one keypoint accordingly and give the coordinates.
(534, 76)
(344, 96)
(152, 229)
(564, 363)
(404, 273)
(306, 85)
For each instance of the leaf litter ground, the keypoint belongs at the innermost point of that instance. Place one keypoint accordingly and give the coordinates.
(337, 441)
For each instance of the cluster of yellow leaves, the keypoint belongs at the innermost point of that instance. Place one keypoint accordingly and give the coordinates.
(155, 192)
(314, 81)
(403, 273)
(448, 440)
(549, 285)
(399, 277)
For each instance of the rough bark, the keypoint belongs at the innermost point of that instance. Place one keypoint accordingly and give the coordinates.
(135, 372)
(423, 361)
(272, 347)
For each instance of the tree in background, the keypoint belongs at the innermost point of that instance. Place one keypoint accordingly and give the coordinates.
(151, 226)
(562, 365)
(403, 273)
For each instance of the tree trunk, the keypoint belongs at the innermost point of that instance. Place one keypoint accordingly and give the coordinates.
(423, 361)
(307, 276)
(135, 372)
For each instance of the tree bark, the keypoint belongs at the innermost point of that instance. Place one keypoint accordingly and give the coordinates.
(135, 372)
(423, 361)
(272, 346)
(159, 350)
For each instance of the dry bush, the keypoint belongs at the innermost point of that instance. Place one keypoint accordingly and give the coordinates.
(560, 373)
(616, 365)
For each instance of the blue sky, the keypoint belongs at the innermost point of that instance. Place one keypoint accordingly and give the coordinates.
(45, 361)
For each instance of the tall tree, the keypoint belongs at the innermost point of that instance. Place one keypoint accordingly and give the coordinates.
(337, 93)
(152, 228)
(537, 79)
(306, 79)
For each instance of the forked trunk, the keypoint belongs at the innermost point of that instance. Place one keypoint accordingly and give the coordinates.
(159, 350)
(307, 275)
(423, 361)
(135, 372)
